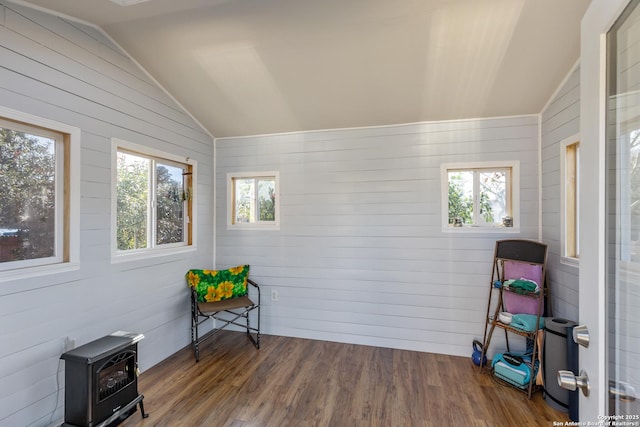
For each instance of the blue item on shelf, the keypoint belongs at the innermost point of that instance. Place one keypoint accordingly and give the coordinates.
(513, 368)
(527, 322)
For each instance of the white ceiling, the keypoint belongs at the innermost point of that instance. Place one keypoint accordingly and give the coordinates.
(245, 67)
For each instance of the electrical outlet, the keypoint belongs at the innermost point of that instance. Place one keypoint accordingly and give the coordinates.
(69, 344)
(274, 295)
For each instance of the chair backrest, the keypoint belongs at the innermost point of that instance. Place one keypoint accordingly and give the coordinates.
(522, 250)
(219, 285)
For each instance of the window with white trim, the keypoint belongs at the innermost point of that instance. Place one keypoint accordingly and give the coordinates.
(569, 202)
(153, 200)
(480, 195)
(35, 187)
(253, 200)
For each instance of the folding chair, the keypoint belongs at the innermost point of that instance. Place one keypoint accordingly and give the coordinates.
(222, 295)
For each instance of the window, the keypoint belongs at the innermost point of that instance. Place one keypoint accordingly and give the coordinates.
(480, 195)
(253, 200)
(36, 195)
(153, 200)
(570, 178)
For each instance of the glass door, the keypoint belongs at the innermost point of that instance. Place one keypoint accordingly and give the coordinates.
(622, 216)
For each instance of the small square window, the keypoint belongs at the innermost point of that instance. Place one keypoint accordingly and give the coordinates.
(253, 200)
(480, 195)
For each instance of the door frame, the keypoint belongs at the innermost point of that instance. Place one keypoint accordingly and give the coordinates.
(599, 18)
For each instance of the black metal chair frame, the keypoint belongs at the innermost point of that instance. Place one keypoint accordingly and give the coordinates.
(235, 309)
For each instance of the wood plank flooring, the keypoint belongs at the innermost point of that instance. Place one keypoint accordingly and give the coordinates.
(298, 382)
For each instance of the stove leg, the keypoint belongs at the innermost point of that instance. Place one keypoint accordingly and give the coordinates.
(144, 414)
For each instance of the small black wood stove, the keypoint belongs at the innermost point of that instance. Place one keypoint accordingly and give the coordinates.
(101, 381)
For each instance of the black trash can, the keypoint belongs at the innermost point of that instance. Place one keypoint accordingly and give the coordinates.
(557, 355)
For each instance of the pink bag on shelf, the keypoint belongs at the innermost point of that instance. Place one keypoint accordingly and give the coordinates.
(520, 304)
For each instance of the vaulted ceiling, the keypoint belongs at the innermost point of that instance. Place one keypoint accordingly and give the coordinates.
(244, 67)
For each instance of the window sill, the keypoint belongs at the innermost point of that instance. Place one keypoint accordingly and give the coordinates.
(254, 227)
(43, 270)
(570, 261)
(148, 254)
(479, 229)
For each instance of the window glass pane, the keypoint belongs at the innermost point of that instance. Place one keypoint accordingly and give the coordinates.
(267, 199)
(133, 201)
(571, 200)
(27, 196)
(461, 197)
(170, 204)
(493, 196)
(244, 200)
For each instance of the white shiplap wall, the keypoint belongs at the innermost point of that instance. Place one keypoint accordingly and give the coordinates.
(360, 256)
(560, 120)
(70, 73)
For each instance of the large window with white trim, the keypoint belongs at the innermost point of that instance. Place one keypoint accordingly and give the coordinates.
(153, 200)
(34, 195)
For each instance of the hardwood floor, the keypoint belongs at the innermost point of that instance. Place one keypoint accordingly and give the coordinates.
(298, 382)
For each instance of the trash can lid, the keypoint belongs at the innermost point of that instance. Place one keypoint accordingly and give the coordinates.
(558, 324)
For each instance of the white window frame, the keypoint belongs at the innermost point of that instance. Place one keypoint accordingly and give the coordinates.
(257, 225)
(154, 250)
(565, 258)
(514, 191)
(65, 258)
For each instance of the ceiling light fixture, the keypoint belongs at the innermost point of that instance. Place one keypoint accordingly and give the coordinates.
(128, 2)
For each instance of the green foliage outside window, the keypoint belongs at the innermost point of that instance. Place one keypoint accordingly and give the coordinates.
(27, 195)
(461, 200)
(267, 202)
(460, 206)
(133, 202)
(255, 200)
(244, 191)
(170, 201)
(132, 194)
